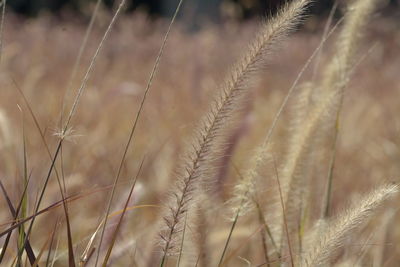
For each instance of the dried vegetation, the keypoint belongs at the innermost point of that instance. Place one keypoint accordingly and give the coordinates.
(119, 171)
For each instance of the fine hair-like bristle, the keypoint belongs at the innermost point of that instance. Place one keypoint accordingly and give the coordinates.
(323, 111)
(336, 230)
(198, 167)
(337, 72)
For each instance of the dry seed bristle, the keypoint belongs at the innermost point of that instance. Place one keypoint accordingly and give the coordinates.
(324, 110)
(335, 231)
(231, 96)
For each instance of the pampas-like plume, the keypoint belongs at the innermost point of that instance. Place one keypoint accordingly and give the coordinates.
(350, 219)
(293, 177)
(199, 164)
(242, 200)
(338, 70)
(328, 100)
(337, 73)
(273, 32)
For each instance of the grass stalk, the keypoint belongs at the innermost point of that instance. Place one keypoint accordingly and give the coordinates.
(51, 243)
(232, 94)
(114, 236)
(71, 114)
(182, 242)
(284, 215)
(235, 220)
(15, 213)
(133, 129)
(79, 57)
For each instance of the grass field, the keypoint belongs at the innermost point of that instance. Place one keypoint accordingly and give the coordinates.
(267, 203)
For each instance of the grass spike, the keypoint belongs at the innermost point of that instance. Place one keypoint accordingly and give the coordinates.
(349, 220)
(232, 93)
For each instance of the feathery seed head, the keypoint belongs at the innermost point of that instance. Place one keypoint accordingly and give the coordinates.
(336, 230)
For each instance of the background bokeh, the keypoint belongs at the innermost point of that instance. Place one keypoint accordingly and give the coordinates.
(207, 8)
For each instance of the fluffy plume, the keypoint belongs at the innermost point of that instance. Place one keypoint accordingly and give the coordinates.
(294, 180)
(338, 70)
(325, 106)
(199, 165)
(350, 219)
(242, 201)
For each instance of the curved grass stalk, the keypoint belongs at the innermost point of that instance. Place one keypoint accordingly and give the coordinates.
(70, 116)
(148, 86)
(233, 93)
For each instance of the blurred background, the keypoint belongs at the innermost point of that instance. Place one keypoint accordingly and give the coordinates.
(204, 9)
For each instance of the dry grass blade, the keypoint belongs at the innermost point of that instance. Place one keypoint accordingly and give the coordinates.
(349, 220)
(237, 212)
(182, 242)
(71, 114)
(48, 241)
(114, 236)
(284, 215)
(88, 251)
(51, 207)
(264, 232)
(133, 129)
(79, 57)
(15, 214)
(71, 258)
(90, 68)
(235, 220)
(235, 252)
(62, 191)
(53, 260)
(202, 228)
(328, 194)
(51, 242)
(24, 199)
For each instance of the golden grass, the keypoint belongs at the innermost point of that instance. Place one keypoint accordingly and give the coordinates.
(226, 169)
